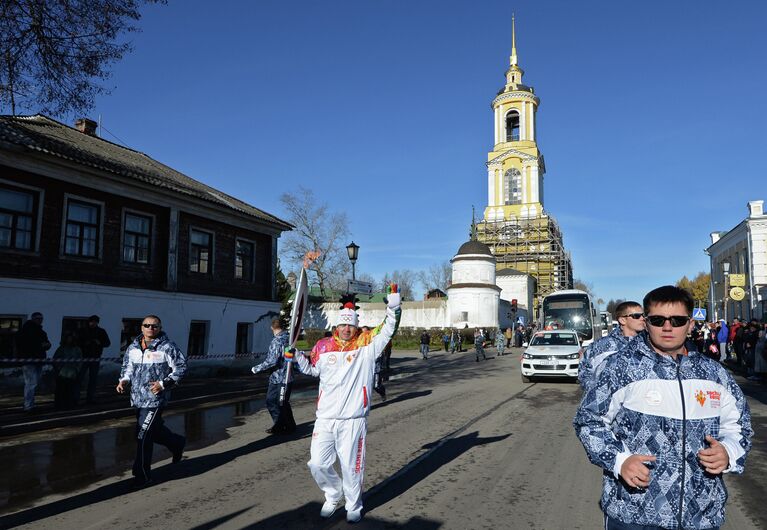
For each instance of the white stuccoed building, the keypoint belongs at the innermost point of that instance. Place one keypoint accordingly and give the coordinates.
(473, 297)
(744, 247)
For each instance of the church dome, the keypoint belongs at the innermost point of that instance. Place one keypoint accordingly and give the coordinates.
(474, 247)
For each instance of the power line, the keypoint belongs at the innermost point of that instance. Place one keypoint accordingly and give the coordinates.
(123, 142)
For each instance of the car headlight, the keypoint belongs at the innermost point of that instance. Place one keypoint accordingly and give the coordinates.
(573, 356)
(527, 356)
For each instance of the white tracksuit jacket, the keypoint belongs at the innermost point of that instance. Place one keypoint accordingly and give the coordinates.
(346, 377)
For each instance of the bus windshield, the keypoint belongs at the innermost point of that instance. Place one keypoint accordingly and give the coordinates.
(569, 313)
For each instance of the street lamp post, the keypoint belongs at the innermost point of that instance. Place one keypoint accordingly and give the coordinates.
(726, 270)
(352, 250)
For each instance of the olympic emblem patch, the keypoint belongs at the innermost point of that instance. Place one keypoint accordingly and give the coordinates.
(700, 397)
(715, 398)
(332, 358)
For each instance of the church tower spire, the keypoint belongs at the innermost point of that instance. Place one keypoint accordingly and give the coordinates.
(513, 58)
(514, 73)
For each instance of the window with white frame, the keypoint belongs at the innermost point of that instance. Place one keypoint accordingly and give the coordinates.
(200, 251)
(243, 261)
(137, 238)
(18, 211)
(82, 229)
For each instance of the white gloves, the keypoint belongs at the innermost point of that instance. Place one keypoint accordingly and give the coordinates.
(394, 300)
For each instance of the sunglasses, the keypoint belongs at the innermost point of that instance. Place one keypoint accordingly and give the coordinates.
(153, 326)
(635, 316)
(676, 321)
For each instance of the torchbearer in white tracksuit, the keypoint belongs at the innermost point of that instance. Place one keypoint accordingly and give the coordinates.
(345, 364)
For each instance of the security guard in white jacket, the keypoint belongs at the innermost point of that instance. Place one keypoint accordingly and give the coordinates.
(345, 364)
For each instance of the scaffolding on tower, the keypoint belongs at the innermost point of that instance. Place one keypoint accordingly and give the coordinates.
(532, 245)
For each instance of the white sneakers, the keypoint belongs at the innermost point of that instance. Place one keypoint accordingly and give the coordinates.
(354, 516)
(328, 509)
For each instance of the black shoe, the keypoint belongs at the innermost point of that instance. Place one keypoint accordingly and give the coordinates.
(271, 430)
(177, 454)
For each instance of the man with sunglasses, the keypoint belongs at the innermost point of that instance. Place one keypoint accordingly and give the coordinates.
(630, 322)
(152, 365)
(664, 423)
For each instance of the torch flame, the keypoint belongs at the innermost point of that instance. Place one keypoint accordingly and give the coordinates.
(310, 256)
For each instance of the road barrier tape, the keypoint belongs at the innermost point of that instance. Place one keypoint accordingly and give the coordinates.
(23, 360)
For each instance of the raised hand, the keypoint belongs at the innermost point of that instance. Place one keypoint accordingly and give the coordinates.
(393, 298)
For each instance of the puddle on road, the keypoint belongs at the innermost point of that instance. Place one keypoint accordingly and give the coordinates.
(75, 460)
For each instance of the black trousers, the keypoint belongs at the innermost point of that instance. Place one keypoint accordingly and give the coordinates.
(150, 430)
(67, 393)
(282, 417)
(93, 374)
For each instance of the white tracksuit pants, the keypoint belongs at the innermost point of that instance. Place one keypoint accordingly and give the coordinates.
(344, 439)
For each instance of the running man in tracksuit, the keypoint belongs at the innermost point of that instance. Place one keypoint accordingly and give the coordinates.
(152, 366)
(664, 423)
(282, 416)
(630, 322)
(345, 364)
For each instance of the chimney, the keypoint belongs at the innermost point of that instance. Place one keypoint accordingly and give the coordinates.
(84, 125)
(715, 236)
(755, 208)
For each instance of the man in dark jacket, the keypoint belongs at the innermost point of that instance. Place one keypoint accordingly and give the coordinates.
(32, 342)
(282, 416)
(94, 339)
(425, 340)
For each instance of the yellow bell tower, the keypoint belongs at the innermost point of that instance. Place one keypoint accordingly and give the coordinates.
(521, 235)
(515, 166)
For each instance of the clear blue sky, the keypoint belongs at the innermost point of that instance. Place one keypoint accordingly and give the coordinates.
(651, 119)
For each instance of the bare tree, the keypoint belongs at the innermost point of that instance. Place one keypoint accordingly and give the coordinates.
(612, 304)
(438, 276)
(584, 286)
(405, 280)
(316, 230)
(53, 53)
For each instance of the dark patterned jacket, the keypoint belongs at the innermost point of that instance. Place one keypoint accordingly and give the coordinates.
(275, 360)
(161, 361)
(646, 403)
(597, 353)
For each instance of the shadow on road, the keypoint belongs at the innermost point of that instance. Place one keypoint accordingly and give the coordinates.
(400, 398)
(442, 452)
(307, 517)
